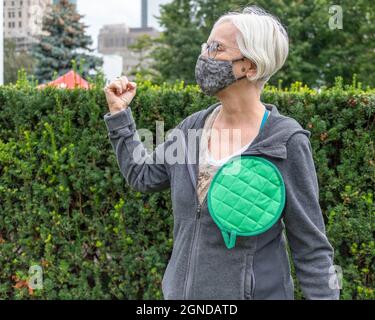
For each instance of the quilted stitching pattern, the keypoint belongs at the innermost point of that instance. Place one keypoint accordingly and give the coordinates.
(250, 199)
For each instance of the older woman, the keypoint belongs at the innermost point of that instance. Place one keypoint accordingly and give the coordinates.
(242, 52)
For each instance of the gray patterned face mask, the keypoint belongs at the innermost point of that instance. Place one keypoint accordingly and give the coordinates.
(214, 75)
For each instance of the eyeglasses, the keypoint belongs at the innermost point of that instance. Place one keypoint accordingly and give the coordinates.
(213, 48)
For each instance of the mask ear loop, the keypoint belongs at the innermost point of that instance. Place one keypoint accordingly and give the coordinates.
(240, 78)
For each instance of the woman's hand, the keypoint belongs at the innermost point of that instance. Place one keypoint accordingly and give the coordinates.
(119, 94)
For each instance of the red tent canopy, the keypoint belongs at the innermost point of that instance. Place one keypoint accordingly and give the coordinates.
(69, 80)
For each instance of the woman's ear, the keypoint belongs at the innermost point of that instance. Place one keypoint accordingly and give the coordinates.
(251, 70)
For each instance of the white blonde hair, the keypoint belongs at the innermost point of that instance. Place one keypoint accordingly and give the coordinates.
(261, 38)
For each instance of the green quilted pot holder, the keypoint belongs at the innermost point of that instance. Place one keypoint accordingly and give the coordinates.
(246, 197)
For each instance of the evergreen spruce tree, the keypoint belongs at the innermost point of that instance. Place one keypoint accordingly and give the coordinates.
(65, 42)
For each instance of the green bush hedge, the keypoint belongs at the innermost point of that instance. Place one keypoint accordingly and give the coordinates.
(65, 206)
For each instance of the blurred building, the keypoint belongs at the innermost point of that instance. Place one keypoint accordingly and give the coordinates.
(23, 21)
(115, 39)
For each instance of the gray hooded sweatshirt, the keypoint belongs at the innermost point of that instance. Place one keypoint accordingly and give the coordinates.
(258, 267)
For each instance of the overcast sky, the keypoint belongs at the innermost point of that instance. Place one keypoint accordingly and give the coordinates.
(99, 13)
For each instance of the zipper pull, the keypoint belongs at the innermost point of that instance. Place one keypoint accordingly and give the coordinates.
(199, 211)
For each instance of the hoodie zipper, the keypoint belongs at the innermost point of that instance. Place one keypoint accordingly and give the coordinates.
(191, 259)
(192, 254)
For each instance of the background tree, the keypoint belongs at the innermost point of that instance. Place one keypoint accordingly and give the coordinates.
(66, 40)
(14, 61)
(318, 53)
(141, 49)
(179, 44)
